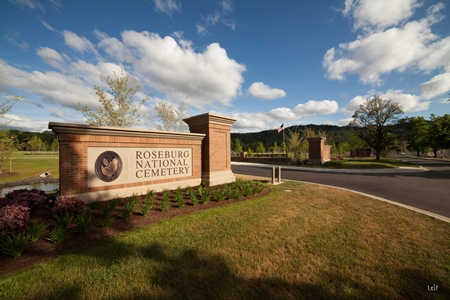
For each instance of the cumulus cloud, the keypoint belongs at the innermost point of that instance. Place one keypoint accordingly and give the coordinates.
(252, 121)
(390, 42)
(368, 13)
(262, 91)
(283, 114)
(177, 70)
(354, 104)
(437, 85)
(170, 65)
(409, 102)
(345, 122)
(324, 107)
(167, 6)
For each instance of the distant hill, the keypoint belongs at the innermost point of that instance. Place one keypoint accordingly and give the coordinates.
(335, 134)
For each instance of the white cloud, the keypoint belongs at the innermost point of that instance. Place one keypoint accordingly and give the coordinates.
(14, 38)
(177, 70)
(283, 114)
(323, 107)
(409, 46)
(28, 4)
(409, 103)
(262, 91)
(353, 105)
(167, 6)
(252, 121)
(220, 15)
(381, 13)
(437, 85)
(80, 44)
(51, 57)
(345, 122)
(46, 25)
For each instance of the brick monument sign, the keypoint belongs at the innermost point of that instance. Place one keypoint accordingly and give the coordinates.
(97, 162)
(318, 151)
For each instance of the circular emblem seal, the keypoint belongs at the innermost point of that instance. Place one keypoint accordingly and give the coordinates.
(108, 166)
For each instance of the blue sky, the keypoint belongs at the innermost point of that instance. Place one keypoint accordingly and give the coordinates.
(262, 62)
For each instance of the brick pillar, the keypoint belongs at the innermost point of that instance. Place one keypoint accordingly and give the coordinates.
(216, 146)
(317, 150)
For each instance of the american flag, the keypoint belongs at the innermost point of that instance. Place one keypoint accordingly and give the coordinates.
(280, 128)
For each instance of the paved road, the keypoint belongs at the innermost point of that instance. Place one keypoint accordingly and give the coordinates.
(427, 190)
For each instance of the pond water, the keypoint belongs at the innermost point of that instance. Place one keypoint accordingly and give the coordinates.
(46, 187)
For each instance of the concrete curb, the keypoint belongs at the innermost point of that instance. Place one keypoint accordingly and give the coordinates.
(418, 210)
(355, 171)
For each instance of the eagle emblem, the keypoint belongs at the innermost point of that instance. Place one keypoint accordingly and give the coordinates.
(108, 166)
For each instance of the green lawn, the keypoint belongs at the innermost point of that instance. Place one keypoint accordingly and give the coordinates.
(299, 242)
(25, 166)
(366, 163)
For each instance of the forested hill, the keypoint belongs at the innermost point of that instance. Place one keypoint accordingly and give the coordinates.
(335, 134)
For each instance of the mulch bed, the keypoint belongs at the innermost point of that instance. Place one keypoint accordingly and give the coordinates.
(43, 249)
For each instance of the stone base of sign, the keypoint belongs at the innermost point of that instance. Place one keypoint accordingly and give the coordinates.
(216, 178)
(140, 190)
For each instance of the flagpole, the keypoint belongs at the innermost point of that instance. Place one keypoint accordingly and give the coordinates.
(284, 141)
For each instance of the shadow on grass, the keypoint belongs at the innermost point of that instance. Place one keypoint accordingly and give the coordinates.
(190, 274)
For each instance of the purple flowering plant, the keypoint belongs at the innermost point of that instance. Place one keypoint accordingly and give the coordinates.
(13, 217)
(68, 205)
(26, 197)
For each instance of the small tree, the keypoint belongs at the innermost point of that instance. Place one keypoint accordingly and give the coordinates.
(8, 144)
(54, 145)
(170, 117)
(374, 122)
(238, 146)
(36, 144)
(117, 104)
(7, 104)
(293, 142)
(260, 148)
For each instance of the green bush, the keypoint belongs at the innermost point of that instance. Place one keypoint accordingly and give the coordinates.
(179, 197)
(128, 209)
(58, 234)
(35, 231)
(105, 221)
(165, 203)
(193, 196)
(84, 221)
(148, 203)
(14, 246)
(63, 220)
(205, 194)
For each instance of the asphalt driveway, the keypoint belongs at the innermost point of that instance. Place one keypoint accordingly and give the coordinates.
(427, 189)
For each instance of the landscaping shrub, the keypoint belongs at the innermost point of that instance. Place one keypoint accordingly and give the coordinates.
(165, 201)
(25, 197)
(205, 194)
(148, 203)
(13, 217)
(179, 197)
(193, 196)
(84, 221)
(35, 231)
(128, 209)
(72, 205)
(58, 234)
(14, 246)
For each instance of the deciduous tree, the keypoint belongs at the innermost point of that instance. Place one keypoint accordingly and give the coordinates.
(439, 133)
(374, 122)
(416, 134)
(170, 117)
(118, 106)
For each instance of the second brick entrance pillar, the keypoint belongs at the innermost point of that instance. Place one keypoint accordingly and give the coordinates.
(216, 146)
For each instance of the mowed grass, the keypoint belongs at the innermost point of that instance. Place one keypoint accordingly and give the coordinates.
(301, 241)
(25, 166)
